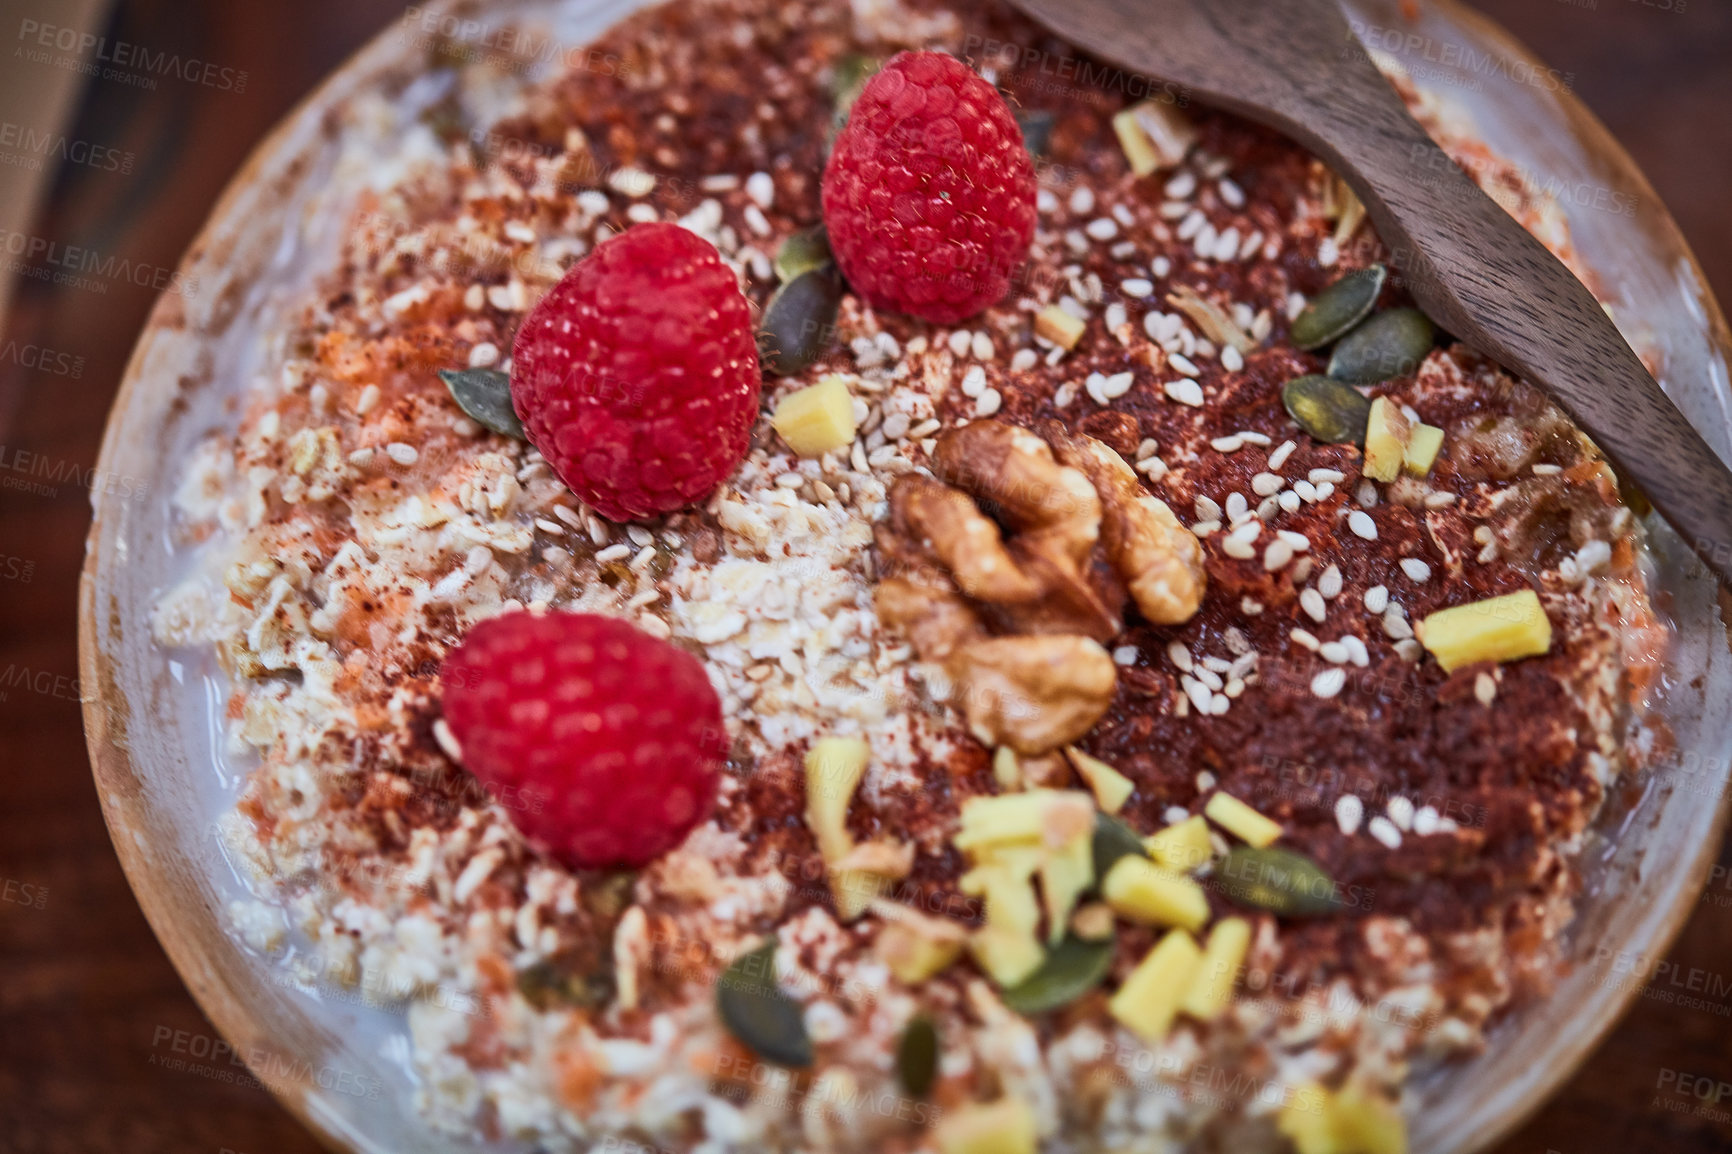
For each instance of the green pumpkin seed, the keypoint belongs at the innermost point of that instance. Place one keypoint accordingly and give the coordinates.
(917, 1056)
(1036, 125)
(484, 395)
(1338, 308)
(852, 73)
(1277, 880)
(1330, 411)
(1072, 968)
(1390, 344)
(799, 322)
(754, 1009)
(1113, 839)
(553, 983)
(807, 249)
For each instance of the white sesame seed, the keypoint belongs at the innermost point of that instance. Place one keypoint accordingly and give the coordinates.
(1439, 500)
(1247, 531)
(1197, 692)
(1425, 821)
(1380, 828)
(483, 355)
(1267, 484)
(1231, 193)
(1125, 655)
(1300, 542)
(1593, 557)
(1356, 651)
(1324, 490)
(1285, 450)
(1179, 656)
(1318, 476)
(1544, 470)
(1305, 638)
(1485, 688)
(1117, 385)
(1289, 500)
(1102, 228)
(1184, 364)
(1415, 569)
(1046, 202)
(925, 429)
(1210, 678)
(1312, 602)
(1348, 812)
(981, 347)
(988, 403)
(1237, 549)
(1204, 528)
(1333, 652)
(1228, 444)
(761, 188)
(1237, 507)
(1185, 391)
(1330, 583)
(1024, 360)
(1395, 626)
(1401, 812)
(403, 454)
(1181, 185)
(1251, 437)
(1082, 201)
(1137, 287)
(1232, 359)
(1276, 555)
(612, 553)
(1329, 682)
(959, 342)
(1161, 266)
(1360, 522)
(1409, 649)
(1366, 494)
(1376, 599)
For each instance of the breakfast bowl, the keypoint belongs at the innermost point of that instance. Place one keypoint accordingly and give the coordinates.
(339, 1049)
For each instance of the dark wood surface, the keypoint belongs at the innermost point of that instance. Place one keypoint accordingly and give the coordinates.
(94, 1023)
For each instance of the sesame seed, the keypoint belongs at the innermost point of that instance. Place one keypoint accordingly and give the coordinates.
(1184, 364)
(959, 342)
(1360, 522)
(1543, 470)
(1312, 602)
(1276, 555)
(1237, 549)
(401, 453)
(761, 188)
(1118, 385)
(1300, 542)
(988, 403)
(1324, 490)
(1248, 531)
(1377, 599)
(1206, 508)
(1415, 569)
(1203, 528)
(1356, 652)
(1288, 500)
(1125, 655)
(1485, 688)
(1237, 507)
(1400, 811)
(1329, 682)
(1102, 228)
(981, 347)
(1250, 607)
(1082, 201)
(1181, 186)
(1024, 360)
(1160, 266)
(612, 553)
(1330, 583)
(1318, 476)
(1395, 626)
(1439, 500)
(644, 557)
(1197, 692)
(1179, 655)
(1301, 570)
(1231, 193)
(1305, 638)
(1137, 287)
(482, 355)
(1228, 444)
(1285, 450)
(1333, 652)
(1232, 359)
(1366, 494)
(1425, 821)
(1193, 223)
(1409, 649)
(1185, 391)
(925, 428)
(1348, 812)
(1267, 484)
(1380, 828)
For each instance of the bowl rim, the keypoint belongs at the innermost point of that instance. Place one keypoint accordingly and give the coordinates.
(105, 709)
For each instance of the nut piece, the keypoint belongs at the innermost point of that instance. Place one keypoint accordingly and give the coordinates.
(935, 617)
(1034, 694)
(1160, 561)
(1014, 474)
(961, 538)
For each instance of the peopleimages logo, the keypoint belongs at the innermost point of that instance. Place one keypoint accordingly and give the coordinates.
(24, 147)
(119, 60)
(74, 266)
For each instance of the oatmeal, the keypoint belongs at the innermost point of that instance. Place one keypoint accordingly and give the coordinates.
(1068, 568)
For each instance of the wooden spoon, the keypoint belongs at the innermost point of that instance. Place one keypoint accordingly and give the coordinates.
(1296, 66)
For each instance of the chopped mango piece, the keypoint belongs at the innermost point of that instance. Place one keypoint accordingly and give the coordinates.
(1006, 955)
(1348, 1121)
(1239, 819)
(1211, 987)
(1149, 999)
(1182, 846)
(1059, 327)
(1049, 817)
(818, 419)
(1386, 435)
(912, 956)
(1064, 875)
(1497, 629)
(1154, 135)
(1002, 1127)
(854, 890)
(1422, 449)
(1009, 897)
(1111, 788)
(1006, 770)
(1139, 889)
(834, 767)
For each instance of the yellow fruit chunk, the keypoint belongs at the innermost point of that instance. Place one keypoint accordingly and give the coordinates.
(1006, 955)
(1111, 788)
(1422, 449)
(1003, 1127)
(818, 419)
(1153, 135)
(1349, 1121)
(1147, 1002)
(1064, 875)
(1211, 986)
(913, 956)
(1503, 628)
(834, 767)
(1058, 326)
(1049, 817)
(1141, 890)
(1006, 770)
(1093, 922)
(1386, 434)
(1239, 819)
(1182, 846)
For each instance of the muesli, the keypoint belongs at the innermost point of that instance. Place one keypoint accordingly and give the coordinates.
(1070, 661)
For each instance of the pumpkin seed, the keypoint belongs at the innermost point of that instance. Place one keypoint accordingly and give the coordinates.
(1390, 344)
(1113, 839)
(1277, 880)
(1072, 968)
(807, 249)
(852, 73)
(760, 1015)
(1036, 125)
(799, 321)
(484, 395)
(1339, 307)
(917, 1056)
(1330, 411)
(555, 982)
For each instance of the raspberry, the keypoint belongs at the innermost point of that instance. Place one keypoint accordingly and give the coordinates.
(637, 375)
(604, 742)
(929, 194)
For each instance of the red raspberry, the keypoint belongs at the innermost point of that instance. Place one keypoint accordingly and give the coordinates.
(929, 193)
(604, 742)
(637, 375)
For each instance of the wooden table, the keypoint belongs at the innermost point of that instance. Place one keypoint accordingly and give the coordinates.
(91, 1014)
